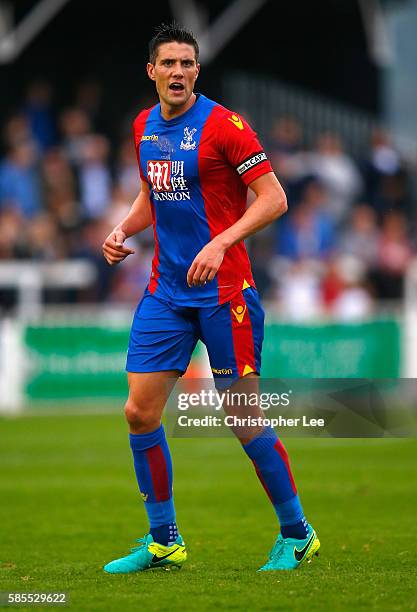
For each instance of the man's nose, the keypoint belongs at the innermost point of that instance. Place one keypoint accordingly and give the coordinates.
(178, 71)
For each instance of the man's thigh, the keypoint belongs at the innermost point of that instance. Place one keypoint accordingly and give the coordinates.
(162, 338)
(233, 334)
(148, 394)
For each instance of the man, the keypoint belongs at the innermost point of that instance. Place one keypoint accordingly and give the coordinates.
(196, 162)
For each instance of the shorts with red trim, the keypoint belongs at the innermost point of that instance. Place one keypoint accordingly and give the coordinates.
(163, 336)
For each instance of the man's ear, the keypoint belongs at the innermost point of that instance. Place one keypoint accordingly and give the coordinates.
(198, 71)
(150, 69)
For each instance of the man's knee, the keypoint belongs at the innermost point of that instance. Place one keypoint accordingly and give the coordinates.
(146, 418)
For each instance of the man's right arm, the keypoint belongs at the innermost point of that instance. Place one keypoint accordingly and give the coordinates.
(138, 219)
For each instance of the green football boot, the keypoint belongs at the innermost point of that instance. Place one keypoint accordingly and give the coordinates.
(147, 555)
(289, 553)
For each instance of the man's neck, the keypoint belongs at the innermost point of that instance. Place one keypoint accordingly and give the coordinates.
(170, 112)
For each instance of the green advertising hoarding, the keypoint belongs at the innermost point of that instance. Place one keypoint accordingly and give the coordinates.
(75, 362)
(81, 362)
(336, 350)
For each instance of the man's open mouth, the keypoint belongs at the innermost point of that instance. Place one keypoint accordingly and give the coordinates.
(177, 87)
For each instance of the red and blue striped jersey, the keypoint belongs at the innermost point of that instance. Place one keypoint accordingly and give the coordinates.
(198, 167)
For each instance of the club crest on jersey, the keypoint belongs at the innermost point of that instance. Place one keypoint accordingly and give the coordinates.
(187, 143)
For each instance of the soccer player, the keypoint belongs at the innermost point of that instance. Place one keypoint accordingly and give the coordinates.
(196, 161)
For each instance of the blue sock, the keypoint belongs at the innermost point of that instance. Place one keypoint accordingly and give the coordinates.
(271, 463)
(299, 530)
(165, 534)
(153, 467)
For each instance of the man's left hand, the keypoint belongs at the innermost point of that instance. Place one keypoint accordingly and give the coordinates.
(205, 265)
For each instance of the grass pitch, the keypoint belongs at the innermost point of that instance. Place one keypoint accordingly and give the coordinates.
(70, 504)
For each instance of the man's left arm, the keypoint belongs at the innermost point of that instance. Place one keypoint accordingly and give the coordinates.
(269, 204)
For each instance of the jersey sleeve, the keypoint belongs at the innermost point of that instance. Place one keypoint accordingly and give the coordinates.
(241, 147)
(138, 130)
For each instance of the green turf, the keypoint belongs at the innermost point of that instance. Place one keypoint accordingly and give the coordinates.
(69, 505)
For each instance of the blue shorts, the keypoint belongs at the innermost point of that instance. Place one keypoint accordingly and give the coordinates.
(163, 336)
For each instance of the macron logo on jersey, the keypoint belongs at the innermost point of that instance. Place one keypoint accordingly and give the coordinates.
(237, 121)
(252, 161)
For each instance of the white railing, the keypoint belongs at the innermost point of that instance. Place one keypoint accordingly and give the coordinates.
(29, 278)
(265, 99)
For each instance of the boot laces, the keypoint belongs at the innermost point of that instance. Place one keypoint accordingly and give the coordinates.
(142, 542)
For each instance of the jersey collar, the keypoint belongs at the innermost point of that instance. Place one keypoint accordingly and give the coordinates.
(184, 116)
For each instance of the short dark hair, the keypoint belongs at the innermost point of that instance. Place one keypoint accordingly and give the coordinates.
(171, 32)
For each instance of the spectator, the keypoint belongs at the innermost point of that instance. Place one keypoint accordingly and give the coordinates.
(88, 98)
(287, 157)
(394, 256)
(299, 292)
(38, 110)
(17, 131)
(307, 232)
(353, 301)
(20, 181)
(95, 177)
(332, 285)
(75, 127)
(386, 180)
(360, 238)
(338, 173)
(43, 240)
(286, 137)
(58, 175)
(11, 223)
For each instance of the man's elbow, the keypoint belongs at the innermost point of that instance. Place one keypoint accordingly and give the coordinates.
(280, 204)
(283, 204)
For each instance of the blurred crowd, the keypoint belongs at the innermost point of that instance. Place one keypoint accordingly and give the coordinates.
(348, 237)
(344, 245)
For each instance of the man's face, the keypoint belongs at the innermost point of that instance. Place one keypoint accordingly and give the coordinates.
(174, 72)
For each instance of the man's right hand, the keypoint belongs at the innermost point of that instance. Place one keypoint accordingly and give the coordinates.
(113, 250)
